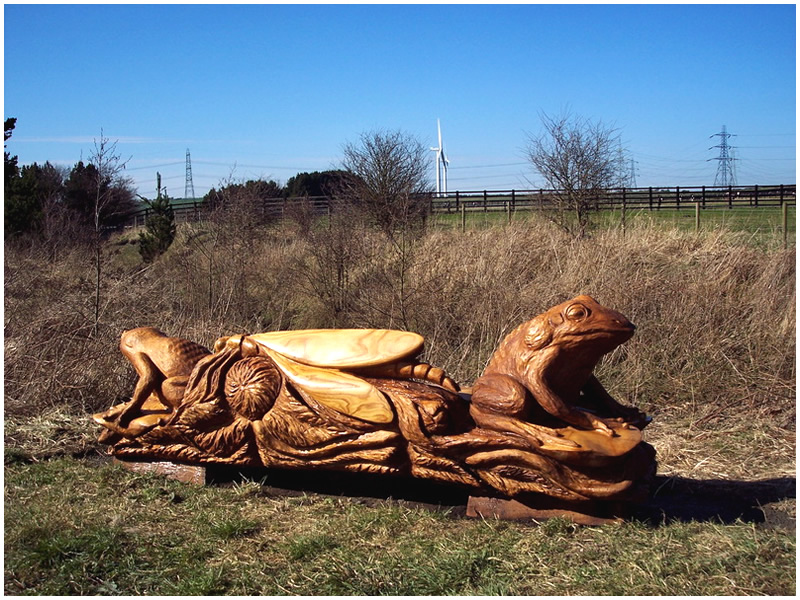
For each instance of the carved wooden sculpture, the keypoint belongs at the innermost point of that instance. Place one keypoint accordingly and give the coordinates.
(537, 421)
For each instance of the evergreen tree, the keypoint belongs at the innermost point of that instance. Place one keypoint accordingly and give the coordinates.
(16, 205)
(85, 186)
(318, 183)
(160, 226)
(22, 206)
(9, 162)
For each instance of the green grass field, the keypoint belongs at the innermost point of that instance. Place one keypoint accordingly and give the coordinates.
(76, 527)
(765, 223)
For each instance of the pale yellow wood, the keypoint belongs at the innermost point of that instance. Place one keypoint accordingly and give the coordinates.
(340, 391)
(342, 348)
(624, 440)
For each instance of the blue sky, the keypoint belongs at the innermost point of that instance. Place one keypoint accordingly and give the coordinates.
(268, 91)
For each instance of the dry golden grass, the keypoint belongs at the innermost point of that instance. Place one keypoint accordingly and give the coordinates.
(713, 359)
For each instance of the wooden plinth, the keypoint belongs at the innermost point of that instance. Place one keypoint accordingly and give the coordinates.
(507, 509)
(193, 474)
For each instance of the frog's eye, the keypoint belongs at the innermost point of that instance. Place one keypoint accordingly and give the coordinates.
(577, 312)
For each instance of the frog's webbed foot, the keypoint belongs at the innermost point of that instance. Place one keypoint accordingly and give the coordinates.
(537, 436)
(611, 426)
(544, 437)
(633, 416)
(601, 425)
(630, 419)
(109, 437)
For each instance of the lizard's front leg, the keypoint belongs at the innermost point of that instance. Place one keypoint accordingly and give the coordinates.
(149, 379)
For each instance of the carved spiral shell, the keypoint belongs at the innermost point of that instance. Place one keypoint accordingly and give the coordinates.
(251, 386)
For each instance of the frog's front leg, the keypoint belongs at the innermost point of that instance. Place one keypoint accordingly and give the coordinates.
(560, 408)
(499, 403)
(595, 391)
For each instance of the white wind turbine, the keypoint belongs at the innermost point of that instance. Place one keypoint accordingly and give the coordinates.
(441, 163)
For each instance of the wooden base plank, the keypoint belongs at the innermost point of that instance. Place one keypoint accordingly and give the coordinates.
(194, 474)
(508, 509)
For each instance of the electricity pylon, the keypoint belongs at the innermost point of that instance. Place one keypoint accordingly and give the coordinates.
(632, 174)
(188, 191)
(725, 172)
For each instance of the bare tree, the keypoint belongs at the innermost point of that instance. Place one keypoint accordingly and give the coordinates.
(389, 179)
(334, 272)
(579, 159)
(108, 187)
(389, 182)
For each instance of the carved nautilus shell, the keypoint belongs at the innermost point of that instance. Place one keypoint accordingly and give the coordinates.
(251, 386)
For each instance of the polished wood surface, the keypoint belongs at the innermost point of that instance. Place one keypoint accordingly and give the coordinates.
(342, 348)
(336, 389)
(536, 422)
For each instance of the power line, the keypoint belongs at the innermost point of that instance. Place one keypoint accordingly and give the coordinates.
(475, 177)
(236, 164)
(490, 166)
(765, 134)
(169, 164)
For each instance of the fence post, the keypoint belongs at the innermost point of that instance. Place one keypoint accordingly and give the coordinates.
(755, 195)
(513, 201)
(785, 220)
(463, 218)
(697, 216)
(485, 202)
(650, 197)
(678, 197)
(704, 196)
(457, 200)
(624, 206)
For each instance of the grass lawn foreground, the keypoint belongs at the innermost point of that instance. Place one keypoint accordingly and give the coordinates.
(80, 527)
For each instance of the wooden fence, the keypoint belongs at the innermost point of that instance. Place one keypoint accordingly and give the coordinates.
(649, 198)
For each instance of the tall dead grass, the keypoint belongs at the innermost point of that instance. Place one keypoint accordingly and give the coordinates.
(716, 315)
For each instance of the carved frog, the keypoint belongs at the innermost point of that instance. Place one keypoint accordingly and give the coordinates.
(548, 363)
